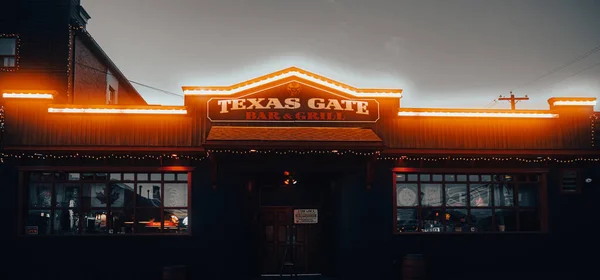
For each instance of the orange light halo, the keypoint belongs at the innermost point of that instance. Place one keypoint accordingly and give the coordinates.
(477, 114)
(119, 111)
(27, 95)
(294, 72)
(574, 103)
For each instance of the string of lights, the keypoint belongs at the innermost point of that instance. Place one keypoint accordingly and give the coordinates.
(1, 127)
(593, 120)
(49, 156)
(45, 156)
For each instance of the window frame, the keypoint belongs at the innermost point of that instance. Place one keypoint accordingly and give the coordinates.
(578, 183)
(15, 56)
(24, 183)
(542, 206)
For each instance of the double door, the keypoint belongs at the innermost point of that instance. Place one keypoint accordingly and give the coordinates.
(303, 242)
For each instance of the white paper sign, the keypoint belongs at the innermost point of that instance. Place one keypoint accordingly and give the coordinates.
(306, 216)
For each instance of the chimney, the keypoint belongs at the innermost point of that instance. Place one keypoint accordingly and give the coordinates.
(79, 15)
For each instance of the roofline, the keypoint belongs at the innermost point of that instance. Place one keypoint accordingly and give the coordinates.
(111, 65)
(285, 73)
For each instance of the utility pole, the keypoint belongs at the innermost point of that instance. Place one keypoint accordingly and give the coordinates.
(513, 100)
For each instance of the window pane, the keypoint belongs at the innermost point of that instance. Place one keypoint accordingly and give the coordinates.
(115, 176)
(101, 176)
(504, 195)
(433, 220)
(74, 176)
(169, 177)
(148, 220)
(413, 177)
(425, 177)
(506, 220)
(155, 177)
(67, 195)
(406, 194)
(486, 178)
(400, 177)
(480, 195)
(407, 220)
(122, 221)
(39, 220)
(473, 178)
(456, 195)
(66, 221)
(456, 220)
(40, 195)
(431, 194)
(176, 195)
(182, 177)
(95, 195)
(148, 195)
(142, 176)
(9, 62)
(529, 220)
(461, 178)
(40, 177)
(128, 176)
(528, 195)
(436, 177)
(481, 220)
(95, 222)
(87, 176)
(121, 194)
(449, 178)
(176, 221)
(8, 46)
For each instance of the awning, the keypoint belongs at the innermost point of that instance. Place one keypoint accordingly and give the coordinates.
(307, 135)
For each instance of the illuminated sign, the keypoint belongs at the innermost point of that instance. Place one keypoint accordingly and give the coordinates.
(306, 216)
(292, 102)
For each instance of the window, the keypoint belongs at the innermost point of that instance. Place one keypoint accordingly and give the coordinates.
(442, 202)
(569, 181)
(8, 52)
(111, 96)
(69, 203)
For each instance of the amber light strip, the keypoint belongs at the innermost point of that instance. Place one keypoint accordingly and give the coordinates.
(27, 95)
(477, 114)
(288, 74)
(575, 103)
(119, 111)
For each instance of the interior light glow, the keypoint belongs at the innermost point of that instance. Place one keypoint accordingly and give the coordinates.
(27, 95)
(477, 114)
(574, 103)
(293, 72)
(118, 111)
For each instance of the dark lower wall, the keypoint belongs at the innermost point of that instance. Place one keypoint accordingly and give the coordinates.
(224, 240)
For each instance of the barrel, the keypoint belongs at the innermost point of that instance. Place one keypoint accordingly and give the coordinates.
(175, 272)
(413, 267)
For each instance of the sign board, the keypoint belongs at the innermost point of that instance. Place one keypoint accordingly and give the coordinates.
(293, 102)
(31, 230)
(306, 216)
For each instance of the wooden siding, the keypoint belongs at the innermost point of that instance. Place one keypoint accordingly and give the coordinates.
(569, 131)
(29, 124)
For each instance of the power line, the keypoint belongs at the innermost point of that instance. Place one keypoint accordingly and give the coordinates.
(562, 66)
(133, 82)
(574, 74)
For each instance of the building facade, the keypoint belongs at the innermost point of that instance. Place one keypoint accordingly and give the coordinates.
(99, 184)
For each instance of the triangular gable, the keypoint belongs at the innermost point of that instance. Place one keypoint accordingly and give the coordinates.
(284, 75)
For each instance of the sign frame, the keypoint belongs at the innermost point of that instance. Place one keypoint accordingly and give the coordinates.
(208, 111)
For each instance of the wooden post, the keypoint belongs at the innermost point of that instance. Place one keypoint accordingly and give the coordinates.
(513, 100)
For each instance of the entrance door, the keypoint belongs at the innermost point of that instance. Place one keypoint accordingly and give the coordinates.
(277, 225)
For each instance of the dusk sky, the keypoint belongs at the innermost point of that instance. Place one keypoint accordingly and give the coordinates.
(443, 53)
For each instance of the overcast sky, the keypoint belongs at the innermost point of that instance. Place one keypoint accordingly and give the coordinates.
(443, 53)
